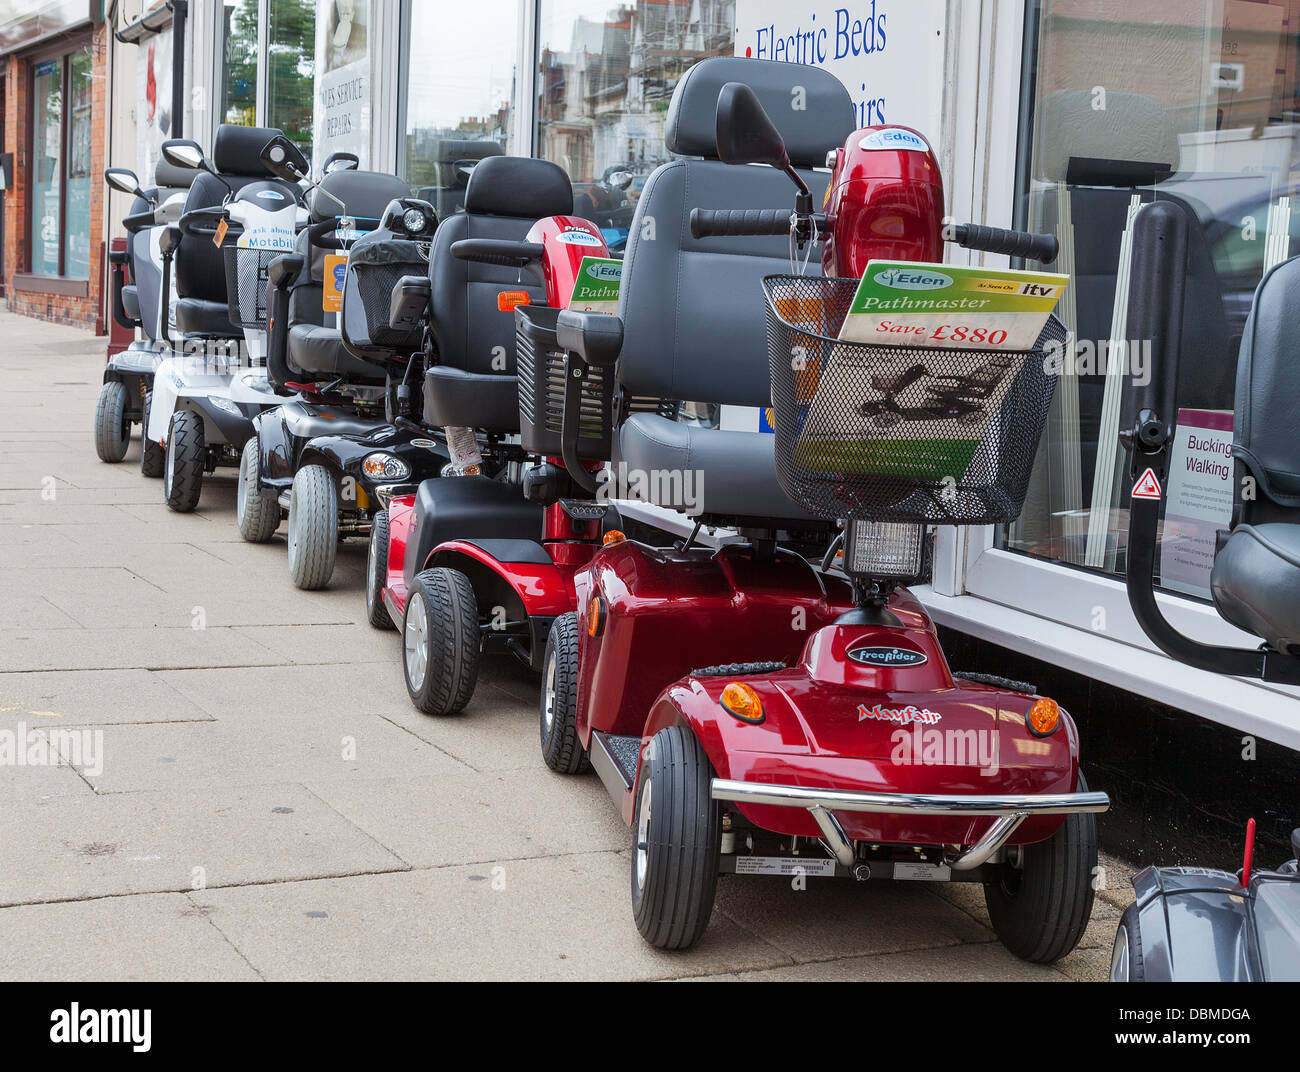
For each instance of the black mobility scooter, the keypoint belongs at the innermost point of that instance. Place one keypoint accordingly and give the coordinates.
(139, 304)
(331, 457)
(1191, 923)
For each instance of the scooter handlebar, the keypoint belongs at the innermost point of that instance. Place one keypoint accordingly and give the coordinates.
(1037, 247)
(202, 221)
(497, 251)
(140, 221)
(734, 222)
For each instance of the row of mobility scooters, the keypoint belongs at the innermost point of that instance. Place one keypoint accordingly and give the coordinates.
(493, 384)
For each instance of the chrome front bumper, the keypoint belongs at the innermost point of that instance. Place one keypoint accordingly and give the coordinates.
(1010, 811)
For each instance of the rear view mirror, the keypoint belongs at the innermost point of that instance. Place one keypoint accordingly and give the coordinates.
(341, 162)
(745, 134)
(181, 152)
(620, 180)
(124, 181)
(285, 160)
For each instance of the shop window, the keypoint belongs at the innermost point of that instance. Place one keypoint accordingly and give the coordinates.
(1128, 103)
(285, 66)
(460, 72)
(60, 165)
(606, 74)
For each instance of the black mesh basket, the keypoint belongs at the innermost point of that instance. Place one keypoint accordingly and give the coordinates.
(541, 390)
(899, 433)
(377, 266)
(246, 284)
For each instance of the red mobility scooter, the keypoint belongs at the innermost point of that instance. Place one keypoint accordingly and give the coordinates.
(483, 560)
(748, 711)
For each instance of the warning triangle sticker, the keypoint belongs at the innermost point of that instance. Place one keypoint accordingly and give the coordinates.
(1147, 487)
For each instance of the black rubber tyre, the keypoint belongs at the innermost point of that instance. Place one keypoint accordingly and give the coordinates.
(1040, 910)
(1126, 960)
(186, 460)
(257, 515)
(112, 425)
(313, 527)
(377, 573)
(675, 853)
(558, 708)
(441, 641)
(153, 459)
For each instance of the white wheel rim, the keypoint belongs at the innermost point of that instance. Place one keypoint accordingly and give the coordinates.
(415, 639)
(169, 475)
(372, 566)
(293, 525)
(1119, 957)
(242, 490)
(548, 694)
(643, 835)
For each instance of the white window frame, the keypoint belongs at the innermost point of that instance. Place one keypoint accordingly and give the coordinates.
(1062, 615)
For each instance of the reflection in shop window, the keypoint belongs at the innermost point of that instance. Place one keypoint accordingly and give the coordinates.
(291, 69)
(239, 62)
(76, 229)
(460, 64)
(47, 165)
(606, 74)
(1195, 104)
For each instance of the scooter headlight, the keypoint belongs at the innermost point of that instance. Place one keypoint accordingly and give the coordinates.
(225, 405)
(381, 466)
(414, 222)
(883, 549)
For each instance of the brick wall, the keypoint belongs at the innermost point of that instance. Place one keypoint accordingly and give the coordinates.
(27, 296)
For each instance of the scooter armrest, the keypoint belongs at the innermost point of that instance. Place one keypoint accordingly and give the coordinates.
(285, 269)
(119, 257)
(169, 240)
(410, 299)
(597, 338)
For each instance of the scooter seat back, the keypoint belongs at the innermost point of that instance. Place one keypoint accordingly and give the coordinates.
(692, 309)
(474, 336)
(198, 265)
(453, 157)
(1256, 577)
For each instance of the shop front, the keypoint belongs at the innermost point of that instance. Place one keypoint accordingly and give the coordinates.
(1055, 115)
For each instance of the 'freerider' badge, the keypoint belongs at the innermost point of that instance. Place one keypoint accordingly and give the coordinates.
(900, 715)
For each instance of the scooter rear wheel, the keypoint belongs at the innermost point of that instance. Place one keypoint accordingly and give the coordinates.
(313, 527)
(440, 641)
(153, 459)
(186, 461)
(677, 830)
(377, 573)
(112, 425)
(558, 710)
(257, 515)
(1041, 908)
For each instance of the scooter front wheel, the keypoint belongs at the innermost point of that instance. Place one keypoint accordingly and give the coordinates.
(377, 573)
(185, 462)
(112, 425)
(257, 515)
(153, 459)
(558, 710)
(440, 641)
(313, 527)
(677, 829)
(1040, 906)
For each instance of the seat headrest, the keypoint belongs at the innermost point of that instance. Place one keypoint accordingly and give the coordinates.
(170, 177)
(1133, 141)
(520, 187)
(809, 106)
(366, 194)
(238, 150)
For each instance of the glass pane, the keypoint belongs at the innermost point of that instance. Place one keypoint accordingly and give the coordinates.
(1194, 103)
(461, 74)
(47, 165)
(342, 88)
(239, 57)
(291, 70)
(607, 73)
(76, 261)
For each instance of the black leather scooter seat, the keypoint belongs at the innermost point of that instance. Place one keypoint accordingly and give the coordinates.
(306, 421)
(195, 316)
(1256, 582)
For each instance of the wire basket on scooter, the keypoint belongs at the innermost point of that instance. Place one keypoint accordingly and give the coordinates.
(378, 263)
(541, 390)
(899, 433)
(246, 284)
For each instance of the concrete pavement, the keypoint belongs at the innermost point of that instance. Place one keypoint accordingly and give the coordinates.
(268, 805)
